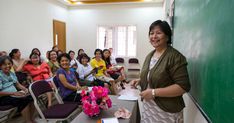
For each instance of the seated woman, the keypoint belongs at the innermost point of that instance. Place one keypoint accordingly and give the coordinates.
(98, 63)
(74, 63)
(18, 64)
(80, 51)
(53, 63)
(3, 53)
(114, 71)
(59, 52)
(117, 73)
(67, 80)
(38, 71)
(8, 89)
(85, 71)
(37, 51)
(55, 48)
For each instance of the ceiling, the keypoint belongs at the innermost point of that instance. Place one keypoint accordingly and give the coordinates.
(88, 2)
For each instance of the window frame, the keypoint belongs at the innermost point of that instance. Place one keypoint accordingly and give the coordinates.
(115, 39)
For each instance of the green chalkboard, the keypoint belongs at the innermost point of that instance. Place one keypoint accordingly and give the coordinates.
(204, 33)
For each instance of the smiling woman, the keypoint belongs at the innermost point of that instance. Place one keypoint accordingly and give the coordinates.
(164, 78)
(67, 80)
(9, 94)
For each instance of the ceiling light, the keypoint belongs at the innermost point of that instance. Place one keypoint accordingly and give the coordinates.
(78, 3)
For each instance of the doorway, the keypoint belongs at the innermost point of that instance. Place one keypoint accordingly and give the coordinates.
(59, 34)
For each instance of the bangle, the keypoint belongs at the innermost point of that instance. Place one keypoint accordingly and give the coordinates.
(153, 92)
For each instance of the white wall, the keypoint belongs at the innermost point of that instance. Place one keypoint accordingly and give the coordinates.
(26, 24)
(83, 22)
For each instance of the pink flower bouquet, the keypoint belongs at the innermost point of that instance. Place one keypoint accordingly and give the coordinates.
(96, 100)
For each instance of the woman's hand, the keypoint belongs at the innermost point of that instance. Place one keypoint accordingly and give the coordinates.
(108, 75)
(78, 87)
(94, 71)
(25, 61)
(100, 67)
(18, 94)
(26, 91)
(147, 94)
(135, 82)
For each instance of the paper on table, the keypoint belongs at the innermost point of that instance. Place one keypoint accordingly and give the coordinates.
(127, 97)
(110, 120)
(89, 89)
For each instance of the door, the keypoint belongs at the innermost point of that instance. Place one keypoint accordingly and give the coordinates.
(59, 29)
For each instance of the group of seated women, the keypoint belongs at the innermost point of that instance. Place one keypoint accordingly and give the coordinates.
(70, 74)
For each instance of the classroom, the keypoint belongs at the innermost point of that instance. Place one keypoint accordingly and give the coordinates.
(116, 61)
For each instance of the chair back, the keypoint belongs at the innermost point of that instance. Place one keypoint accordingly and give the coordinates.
(133, 60)
(57, 112)
(119, 60)
(39, 87)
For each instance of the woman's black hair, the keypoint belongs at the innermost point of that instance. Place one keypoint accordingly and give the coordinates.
(79, 51)
(59, 51)
(107, 60)
(4, 58)
(84, 56)
(78, 54)
(97, 50)
(63, 55)
(33, 54)
(54, 47)
(165, 28)
(13, 51)
(71, 51)
(37, 50)
(51, 52)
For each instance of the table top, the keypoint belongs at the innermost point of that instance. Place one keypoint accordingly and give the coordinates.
(116, 103)
(132, 106)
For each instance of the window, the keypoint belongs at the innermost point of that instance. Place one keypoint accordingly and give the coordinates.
(121, 38)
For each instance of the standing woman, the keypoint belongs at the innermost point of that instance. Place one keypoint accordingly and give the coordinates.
(164, 78)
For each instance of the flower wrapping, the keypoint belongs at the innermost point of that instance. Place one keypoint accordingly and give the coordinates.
(95, 101)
